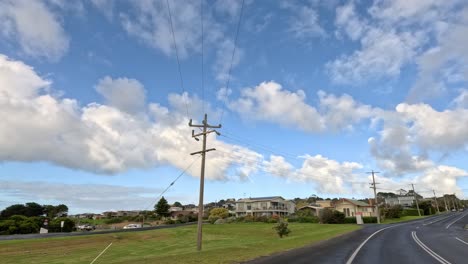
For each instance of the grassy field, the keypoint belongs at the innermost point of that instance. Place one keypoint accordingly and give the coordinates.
(402, 219)
(226, 243)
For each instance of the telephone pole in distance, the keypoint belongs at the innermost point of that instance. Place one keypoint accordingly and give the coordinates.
(416, 198)
(203, 152)
(435, 198)
(375, 195)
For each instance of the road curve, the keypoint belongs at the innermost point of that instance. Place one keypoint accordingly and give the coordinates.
(436, 239)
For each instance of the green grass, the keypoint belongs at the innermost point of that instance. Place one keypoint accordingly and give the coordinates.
(226, 243)
(402, 219)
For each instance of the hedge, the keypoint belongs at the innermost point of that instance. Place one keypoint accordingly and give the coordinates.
(411, 212)
(365, 219)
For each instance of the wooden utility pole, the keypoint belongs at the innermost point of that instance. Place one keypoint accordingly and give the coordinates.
(416, 199)
(375, 195)
(436, 203)
(205, 132)
(446, 206)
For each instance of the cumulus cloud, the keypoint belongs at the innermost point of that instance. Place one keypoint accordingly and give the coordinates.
(35, 27)
(330, 175)
(270, 102)
(396, 34)
(122, 93)
(442, 178)
(100, 138)
(462, 99)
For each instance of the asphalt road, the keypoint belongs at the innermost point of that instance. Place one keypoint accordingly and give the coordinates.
(437, 239)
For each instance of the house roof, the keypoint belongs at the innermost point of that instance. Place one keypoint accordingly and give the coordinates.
(358, 203)
(261, 198)
(310, 206)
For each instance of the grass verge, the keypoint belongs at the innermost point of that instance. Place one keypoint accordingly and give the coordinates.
(221, 244)
(403, 219)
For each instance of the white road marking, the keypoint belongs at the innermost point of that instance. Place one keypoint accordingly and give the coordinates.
(438, 220)
(461, 240)
(427, 249)
(350, 260)
(448, 226)
(101, 253)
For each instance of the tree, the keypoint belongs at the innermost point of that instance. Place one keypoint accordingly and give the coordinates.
(282, 229)
(16, 209)
(34, 209)
(162, 207)
(177, 204)
(219, 212)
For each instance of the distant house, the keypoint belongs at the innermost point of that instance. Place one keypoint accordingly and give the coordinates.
(350, 207)
(175, 208)
(315, 210)
(400, 200)
(174, 215)
(325, 204)
(264, 206)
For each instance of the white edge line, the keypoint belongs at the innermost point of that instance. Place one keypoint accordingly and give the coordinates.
(350, 260)
(438, 220)
(449, 225)
(101, 253)
(427, 249)
(461, 240)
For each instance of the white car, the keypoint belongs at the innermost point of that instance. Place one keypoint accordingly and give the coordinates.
(132, 226)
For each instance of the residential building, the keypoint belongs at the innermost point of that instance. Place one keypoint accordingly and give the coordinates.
(325, 204)
(351, 207)
(315, 210)
(264, 206)
(175, 215)
(400, 200)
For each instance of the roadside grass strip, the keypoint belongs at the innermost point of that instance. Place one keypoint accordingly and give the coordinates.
(427, 249)
(456, 220)
(102, 252)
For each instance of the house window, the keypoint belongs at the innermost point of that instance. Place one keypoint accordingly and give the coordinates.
(346, 211)
(249, 207)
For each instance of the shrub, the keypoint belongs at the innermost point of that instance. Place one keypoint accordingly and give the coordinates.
(392, 212)
(272, 220)
(169, 222)
(219, 212)
(212, 219)
(262, 218)
(369, 219)
(248, 218)
(282, 229)
(291, 219)
(350, 220)
(68, 225)
(332, 217)
(411, 212)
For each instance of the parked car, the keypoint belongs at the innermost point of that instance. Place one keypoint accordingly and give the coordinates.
(132, 226)
(86, 227)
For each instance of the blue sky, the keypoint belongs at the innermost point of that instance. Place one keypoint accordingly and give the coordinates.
(94, 114)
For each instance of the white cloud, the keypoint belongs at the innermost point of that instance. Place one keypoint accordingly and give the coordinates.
(125, 94)
(443, 179)
(105, 6)
(99, 138)
(462, 99)
(347, 19)
(37, 30)
(330, 175)
(270, 102)
(304, 22)
(383, 53)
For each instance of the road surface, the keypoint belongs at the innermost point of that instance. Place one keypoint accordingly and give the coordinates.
(437, 239)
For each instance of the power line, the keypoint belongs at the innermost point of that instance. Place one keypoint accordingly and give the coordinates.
(177, 57)
(232, 58)
(174, 181)
(203, 55)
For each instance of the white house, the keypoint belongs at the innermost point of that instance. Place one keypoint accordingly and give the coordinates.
(264, 206)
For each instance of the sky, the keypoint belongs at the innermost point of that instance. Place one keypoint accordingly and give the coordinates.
(96, 97)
